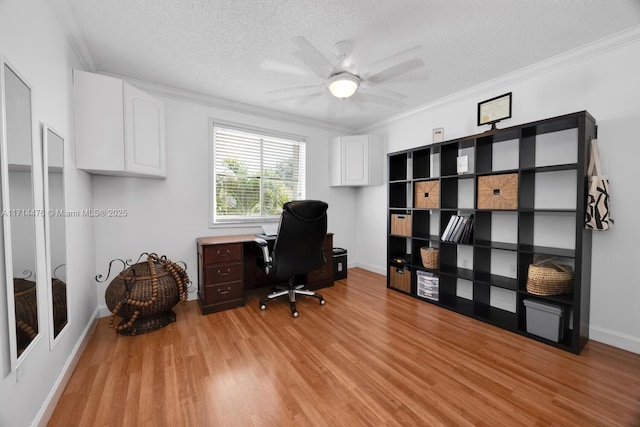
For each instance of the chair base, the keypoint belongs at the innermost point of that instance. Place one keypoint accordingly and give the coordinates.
(291, 290)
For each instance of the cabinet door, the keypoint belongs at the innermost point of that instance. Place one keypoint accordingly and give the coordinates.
(98, 122)
(143, 132)
(355, 160)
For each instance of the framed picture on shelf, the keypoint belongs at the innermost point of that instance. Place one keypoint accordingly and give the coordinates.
(493, 110)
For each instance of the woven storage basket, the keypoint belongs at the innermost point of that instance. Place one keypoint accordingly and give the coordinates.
(133, 290)
(498, 191)
(549, 278)
(430, 257)
(401, 224)
(400, 278)
(427, 194)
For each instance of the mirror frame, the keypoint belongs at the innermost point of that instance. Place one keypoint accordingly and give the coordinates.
(46, 129)
(6, 221)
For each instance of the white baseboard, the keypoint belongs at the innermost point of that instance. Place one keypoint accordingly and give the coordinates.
(370, 267)
(49, 405)
(615, 339)
(103, 311)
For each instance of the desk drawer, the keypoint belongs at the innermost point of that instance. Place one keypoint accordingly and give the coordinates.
(222, 274)
(323, 273)
(218, 293)
(327, 245)
(218, 254)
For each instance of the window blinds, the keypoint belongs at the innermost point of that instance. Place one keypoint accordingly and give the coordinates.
(255, 174)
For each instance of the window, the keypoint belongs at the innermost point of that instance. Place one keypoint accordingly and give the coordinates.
(255, 173)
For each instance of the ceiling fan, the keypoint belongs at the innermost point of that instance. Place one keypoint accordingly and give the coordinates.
(344, 80)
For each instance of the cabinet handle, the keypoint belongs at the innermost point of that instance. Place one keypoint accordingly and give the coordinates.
(225, 253)
(220, 273)
(222, 292)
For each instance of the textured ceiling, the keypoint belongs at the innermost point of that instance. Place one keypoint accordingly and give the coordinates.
(216, 47)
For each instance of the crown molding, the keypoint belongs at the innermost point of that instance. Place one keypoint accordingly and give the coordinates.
(238, 107)
(69, 23)
(573, 56)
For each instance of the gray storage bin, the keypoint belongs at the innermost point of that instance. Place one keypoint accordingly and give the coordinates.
(545, 320)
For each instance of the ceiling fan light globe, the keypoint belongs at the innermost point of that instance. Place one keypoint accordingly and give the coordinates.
(343, 85)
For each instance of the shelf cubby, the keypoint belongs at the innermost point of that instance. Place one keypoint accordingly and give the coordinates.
(398, 195)
(398, 167)
(422, 163)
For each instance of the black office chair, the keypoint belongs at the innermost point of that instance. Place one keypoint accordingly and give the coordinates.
(297, 249)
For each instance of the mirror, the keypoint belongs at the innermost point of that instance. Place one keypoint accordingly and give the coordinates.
(55, 229)
(20, 213)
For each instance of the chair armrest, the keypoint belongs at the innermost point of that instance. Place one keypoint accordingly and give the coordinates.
(265, 253)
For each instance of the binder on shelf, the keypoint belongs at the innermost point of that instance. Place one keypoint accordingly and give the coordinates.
(467, 234)
(447, 230)
(459, 229)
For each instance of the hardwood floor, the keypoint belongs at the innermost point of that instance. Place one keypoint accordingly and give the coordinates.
(369, 357)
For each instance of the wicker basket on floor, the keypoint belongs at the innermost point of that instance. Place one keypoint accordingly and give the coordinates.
(546, 277)
(430, 257)
(143, 295)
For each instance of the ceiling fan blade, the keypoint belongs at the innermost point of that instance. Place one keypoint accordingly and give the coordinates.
(309, 98)
(369, 87)
(283, 67)
(370, 98)
(396, 70)
(312, 58)
(297, 101)
(391, 61)
(295, 92)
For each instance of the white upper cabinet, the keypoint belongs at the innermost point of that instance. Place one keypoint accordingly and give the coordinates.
(120, 129)
(355, 161)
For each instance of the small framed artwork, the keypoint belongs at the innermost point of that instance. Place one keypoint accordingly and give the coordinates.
(438, 135)
(493, 110)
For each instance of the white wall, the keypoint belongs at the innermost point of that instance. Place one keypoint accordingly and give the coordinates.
(166, 216)
(601, 78)
(32, 41)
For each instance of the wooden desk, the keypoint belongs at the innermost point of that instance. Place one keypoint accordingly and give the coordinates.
(228, 269)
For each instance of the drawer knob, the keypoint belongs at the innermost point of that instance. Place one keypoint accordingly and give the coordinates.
(225, 253)
(223, 291)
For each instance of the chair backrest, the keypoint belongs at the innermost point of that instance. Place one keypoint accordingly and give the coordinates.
(301, 234)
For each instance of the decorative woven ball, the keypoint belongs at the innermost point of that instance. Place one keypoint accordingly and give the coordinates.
(133, 291)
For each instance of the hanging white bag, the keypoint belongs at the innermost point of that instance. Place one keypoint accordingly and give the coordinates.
(598, 209)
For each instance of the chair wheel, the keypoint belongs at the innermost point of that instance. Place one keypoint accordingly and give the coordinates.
(263, 307)
(322, 302)
(295, 314)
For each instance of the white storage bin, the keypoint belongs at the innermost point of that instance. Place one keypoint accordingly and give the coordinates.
(428, 285)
